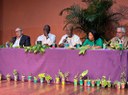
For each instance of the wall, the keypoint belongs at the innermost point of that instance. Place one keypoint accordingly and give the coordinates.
(1, 3)
(31, 15)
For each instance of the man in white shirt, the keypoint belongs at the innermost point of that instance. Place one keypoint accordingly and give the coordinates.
(47, 38)
(69, 38)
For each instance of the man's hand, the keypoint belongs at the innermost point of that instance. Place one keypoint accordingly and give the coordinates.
(61, 45)
(46, 44)
(65, 40)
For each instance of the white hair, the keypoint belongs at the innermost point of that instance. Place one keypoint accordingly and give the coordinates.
(122, 29)
(18, 29)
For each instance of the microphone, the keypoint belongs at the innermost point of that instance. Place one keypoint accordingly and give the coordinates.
(65, 39)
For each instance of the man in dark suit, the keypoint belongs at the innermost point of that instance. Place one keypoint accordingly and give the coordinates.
(20, 39)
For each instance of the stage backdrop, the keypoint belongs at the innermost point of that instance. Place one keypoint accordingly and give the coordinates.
(0, 21)
(31, 15)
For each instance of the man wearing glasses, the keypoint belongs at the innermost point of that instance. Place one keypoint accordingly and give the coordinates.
(121, 37)
(20, 39)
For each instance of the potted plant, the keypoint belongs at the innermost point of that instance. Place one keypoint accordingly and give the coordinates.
(57, 79)
(81, 81)
(8, 77)
(35, 79)
(109, 83)
(92, 83)
(85, 82)
(118, 85)
(23, 78)
(15, 74)
(0, 76)
(115, 84)
(48, 78)
(41, 77)
(97, 15)
(103, 81)
(88, 82)
(82, 75)
(76, 80)
(123, 85)
(30, 78)
(98, 82)
(64, 77)
(123, 77)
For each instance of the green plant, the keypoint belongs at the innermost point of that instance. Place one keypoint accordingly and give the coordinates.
(42, 75)
(36, 49)
(83, 74)
(115, 83)
(48, 78)
(104, 82)
(116, 46)
(76, 76)
(123, 76)
(15, 73)
(8, 76)
(97, 16)
(63, 75)
(11, 45)
(35, 78)
(80, 76)
(2, 46)
(83, 49)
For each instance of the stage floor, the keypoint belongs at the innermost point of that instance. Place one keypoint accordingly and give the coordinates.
(26, 88)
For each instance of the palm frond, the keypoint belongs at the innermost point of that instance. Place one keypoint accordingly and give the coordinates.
(97, 16)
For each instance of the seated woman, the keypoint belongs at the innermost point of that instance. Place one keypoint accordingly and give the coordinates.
(93, 40)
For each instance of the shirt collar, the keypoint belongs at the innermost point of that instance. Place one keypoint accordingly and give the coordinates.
(68, 37)
(19, 37)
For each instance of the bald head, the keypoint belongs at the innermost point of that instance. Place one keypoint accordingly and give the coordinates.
(69, 31)
(46, 30)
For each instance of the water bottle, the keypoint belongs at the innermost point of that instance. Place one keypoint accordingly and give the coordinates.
(104, 46)
(121, 45)
(53, 45)
(66, 45)
(7, 44)
(77, 45)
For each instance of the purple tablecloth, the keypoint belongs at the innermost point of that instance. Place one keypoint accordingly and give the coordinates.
(109, 63)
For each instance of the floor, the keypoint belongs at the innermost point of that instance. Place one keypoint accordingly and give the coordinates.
(26, 88)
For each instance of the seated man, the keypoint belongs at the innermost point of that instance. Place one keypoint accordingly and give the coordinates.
(69, 38)
(120, 37)
(20, 39)
(47, 38)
